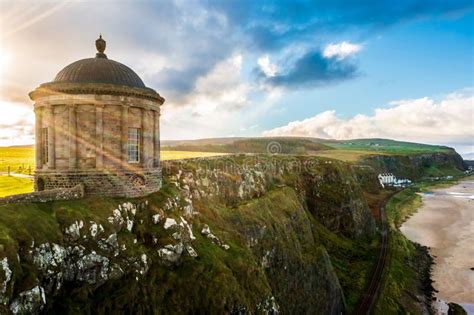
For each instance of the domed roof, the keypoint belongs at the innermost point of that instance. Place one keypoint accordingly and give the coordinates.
(97, 75)
(99, 70)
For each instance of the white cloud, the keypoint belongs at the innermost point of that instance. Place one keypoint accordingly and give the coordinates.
(447, 121)
(266, 66)
(341, 50)
(213, 108)
(16, 124)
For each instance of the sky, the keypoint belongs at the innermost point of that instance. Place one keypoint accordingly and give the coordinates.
(328, 69)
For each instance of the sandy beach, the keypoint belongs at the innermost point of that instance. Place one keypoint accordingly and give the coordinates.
(445, 223)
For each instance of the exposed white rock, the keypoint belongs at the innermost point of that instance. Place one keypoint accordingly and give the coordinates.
(156, 218)
(269, 306)
(129, 224)
(171, 253)
(74, 230)
(191, 251)
(188, 227)
(206, 230)
(48, 257)
(29, 302)
(95, 229)
(225, 246)
(116, 219)
(169, 223)
(176, 235)
(92, 268)
(7, 272)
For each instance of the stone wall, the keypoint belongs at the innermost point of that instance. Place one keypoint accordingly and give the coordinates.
(114, 183)
(75, 192)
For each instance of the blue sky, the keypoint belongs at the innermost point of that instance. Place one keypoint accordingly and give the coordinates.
(332, 69)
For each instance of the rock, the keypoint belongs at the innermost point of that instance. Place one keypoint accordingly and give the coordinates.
(129, 224)
(171, 253)
(269, 306)
(116, 219)
(29, 302)
(186, 225)
(7, 276)
(95, 229)
(156, 218)
(74, 230)
(206, 230)
(48, 257)
(169, 223)
(91, 268)
(191, 251)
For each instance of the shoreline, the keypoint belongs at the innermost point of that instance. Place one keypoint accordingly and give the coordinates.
(443, 224)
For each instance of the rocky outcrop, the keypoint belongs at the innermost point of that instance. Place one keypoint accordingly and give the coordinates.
(223, 235)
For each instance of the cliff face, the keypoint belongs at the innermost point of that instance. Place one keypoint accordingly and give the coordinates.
(225, 235)
(418, 166)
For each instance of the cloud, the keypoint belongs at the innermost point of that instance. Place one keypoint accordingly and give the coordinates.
(16, 124)
(446, 121)
(341, 50)
(309, 70)
(266, 67)
(215, 106)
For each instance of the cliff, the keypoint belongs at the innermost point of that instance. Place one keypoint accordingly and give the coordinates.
(225, 235)
(242, 234)
(418, 166)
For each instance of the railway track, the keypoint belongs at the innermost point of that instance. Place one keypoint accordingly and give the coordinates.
(371, 293)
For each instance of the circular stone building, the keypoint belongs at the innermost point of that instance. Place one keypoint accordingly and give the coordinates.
(97, 124)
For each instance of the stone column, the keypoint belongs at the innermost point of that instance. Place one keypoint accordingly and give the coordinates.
(99, 133)
(51, 137)
(124, 139)
(72, 137)
(156, 137)
(147, 127)
(38, 137)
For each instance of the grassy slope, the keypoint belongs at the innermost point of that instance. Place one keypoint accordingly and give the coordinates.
(299, 146)
(400, 277)
(193, 285)
(352, 260)
(386, 146)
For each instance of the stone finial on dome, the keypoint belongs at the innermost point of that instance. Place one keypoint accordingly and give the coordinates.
(100, 45)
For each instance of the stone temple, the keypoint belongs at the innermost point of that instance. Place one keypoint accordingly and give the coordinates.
(97, 124)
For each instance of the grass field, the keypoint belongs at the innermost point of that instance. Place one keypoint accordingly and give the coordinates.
(10, 185)
(19, 159)
(22, 160)
(385, 146)
(346, 155)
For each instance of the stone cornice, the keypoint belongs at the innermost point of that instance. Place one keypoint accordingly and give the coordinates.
(67, 88)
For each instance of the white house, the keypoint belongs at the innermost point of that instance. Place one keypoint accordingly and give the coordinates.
(388, 179)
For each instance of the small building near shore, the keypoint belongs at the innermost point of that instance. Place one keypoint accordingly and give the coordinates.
(98, 125)
(388, 179)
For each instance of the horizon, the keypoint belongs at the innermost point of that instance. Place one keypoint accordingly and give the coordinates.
(335, 71)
